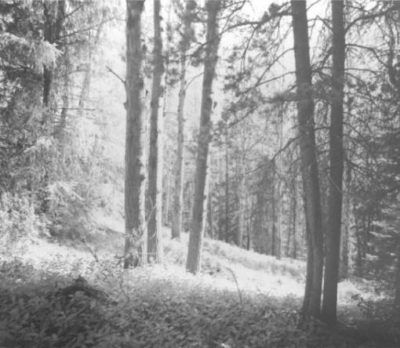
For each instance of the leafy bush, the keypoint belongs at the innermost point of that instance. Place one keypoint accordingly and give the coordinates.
(68, 211)
(18, 221)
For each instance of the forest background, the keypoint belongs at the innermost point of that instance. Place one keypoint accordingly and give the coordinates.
(300, 160)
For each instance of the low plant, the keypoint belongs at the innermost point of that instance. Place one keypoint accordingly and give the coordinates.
(19, 223)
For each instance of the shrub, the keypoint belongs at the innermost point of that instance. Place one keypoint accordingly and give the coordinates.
(19, 222)
(69, 211)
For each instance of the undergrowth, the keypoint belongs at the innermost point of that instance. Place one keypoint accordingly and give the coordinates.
(146, 308)
(60, 296)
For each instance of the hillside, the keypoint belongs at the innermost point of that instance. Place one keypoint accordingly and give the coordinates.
(241, 299)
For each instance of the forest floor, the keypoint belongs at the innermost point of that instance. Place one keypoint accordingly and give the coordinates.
(70, 294)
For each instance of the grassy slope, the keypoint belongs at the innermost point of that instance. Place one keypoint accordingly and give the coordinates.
(241, 299)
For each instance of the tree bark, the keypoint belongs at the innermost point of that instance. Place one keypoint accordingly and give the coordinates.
(178, 194)
(226, 197)
(166, 193)
(294, 219)
(59, 131)
(309, 166)
(331, 278)
(273, 213)
(210, 215)
(52, 31)
(211, 57)
(154, 198)
(360, 228)
(397, 280)
(135, 227)
(85, 90)
(241, 202)
(346, 211)
(291, 246)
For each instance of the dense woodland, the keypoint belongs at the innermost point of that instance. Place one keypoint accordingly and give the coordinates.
(270, 126)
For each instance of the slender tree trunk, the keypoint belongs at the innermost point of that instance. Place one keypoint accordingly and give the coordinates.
(167, 191)
(309, 166)
(346, 211)
(294, 220)
(47, 81)
(329, 304)
(178, 194)
(221, 199)
(360, 244)
(85, 90)
(227, 225)
(211, 57)
(290, 233)
(310, 271)
(278, 197)
(154, 198)
(249, 225)
(278, 247)
(241, 203)
(53, 26)
(210, 215)
(59, 132)
(291, 241)
(258, 222)
(51, 32)
(273, 213)
(135, 227)
(276, 212)
(397, 281)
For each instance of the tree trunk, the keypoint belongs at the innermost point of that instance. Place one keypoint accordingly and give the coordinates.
(294, 220)
(273, 213)
(278, 239)
(155, 154)
(211, 57)
(167, 192)
(178, 194)
(60, 130)
(52, 31)
(291, 247)
(276, 211)
(310, 272)
(241, 203)
(329, 304)
(346, 211)
(397, 281)
(85, 90)
(360, 243)
(47, 82)
(210, 214)
(135, 226)
(309, 166)
(226, 197)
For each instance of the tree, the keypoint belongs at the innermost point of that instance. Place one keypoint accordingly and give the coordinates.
(86, 84)
(178, 193)
(135, 228)
(309, 165)
(53, 26)
(154, 198)
(210, 62)
(331, 275)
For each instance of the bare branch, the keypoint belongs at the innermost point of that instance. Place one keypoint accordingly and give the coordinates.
(116, 75)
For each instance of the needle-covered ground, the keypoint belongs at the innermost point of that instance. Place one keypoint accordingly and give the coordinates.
(69, 295)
